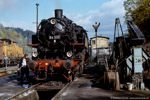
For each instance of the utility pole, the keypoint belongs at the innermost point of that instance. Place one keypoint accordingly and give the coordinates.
(96, 26)
(37, 17)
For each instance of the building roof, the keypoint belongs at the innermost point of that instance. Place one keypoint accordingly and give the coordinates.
(99, 37)
(4, 39)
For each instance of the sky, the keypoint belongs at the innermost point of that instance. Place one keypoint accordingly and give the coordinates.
(22, 13)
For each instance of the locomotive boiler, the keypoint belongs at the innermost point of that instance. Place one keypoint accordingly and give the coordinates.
(59, 47)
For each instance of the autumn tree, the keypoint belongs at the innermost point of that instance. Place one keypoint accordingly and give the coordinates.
(138, 11)
(16, 34)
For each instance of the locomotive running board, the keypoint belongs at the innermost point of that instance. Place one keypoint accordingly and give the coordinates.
(32, 45)
(77, 43)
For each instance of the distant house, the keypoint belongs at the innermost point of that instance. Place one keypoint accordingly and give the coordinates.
(102, 47)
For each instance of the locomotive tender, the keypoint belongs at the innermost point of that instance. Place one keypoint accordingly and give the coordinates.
(59, 47)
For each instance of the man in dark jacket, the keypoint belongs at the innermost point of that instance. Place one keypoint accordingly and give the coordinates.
(24, 68)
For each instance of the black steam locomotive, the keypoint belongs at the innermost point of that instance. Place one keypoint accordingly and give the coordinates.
(59, 47)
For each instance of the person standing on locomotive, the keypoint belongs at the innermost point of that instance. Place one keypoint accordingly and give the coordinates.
(24, 68)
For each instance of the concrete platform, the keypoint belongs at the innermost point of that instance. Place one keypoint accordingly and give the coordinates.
(82, 89)
(9, 86)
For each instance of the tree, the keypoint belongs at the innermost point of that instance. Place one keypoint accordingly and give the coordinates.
(16, 34)
(138, 11)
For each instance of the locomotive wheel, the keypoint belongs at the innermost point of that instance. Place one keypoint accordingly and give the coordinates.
(81, 69)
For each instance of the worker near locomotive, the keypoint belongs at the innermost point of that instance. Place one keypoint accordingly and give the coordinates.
(24, 68)
(59, 48)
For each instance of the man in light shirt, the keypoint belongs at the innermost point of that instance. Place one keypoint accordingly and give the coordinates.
(6, 60)
(24, 68)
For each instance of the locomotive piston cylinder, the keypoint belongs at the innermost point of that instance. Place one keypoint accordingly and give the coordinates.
(67, 64)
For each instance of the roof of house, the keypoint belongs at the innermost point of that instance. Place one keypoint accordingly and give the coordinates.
(100, 37)
(4, 39)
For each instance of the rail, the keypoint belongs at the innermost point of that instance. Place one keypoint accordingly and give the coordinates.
(60, 92)
(24, 95)
(8, 72)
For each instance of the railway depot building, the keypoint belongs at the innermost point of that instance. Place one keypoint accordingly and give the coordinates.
(102, 46)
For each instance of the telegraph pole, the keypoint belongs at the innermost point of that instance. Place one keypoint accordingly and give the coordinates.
(37, 17)
(96, 26)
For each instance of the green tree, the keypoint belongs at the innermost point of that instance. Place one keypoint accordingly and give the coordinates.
(16, 34)
(138, 11)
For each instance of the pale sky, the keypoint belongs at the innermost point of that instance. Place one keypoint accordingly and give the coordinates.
(22, 13)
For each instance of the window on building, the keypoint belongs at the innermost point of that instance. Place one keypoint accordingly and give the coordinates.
(8, 42)
(93, 41)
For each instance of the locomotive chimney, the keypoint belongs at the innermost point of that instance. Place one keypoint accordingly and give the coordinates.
(58, 13)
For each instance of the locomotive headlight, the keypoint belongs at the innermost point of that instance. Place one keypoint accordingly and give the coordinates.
(46, 64)
(34, 54)
(69, 54)
(53, 21)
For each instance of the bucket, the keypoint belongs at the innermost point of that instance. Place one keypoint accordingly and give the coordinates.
(130, 86)
(142, 86)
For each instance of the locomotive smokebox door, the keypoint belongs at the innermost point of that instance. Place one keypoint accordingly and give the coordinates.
(58, 13)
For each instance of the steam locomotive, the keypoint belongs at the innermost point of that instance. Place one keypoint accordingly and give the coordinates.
(59, 47)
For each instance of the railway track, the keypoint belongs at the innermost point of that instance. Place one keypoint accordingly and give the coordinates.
(60, 92)
(27, 94)
(10, 88)
(41, 91)
(4, 73)
(10, 70)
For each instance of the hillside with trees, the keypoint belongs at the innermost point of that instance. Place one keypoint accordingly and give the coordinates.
(138, 11)
(22, 37)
